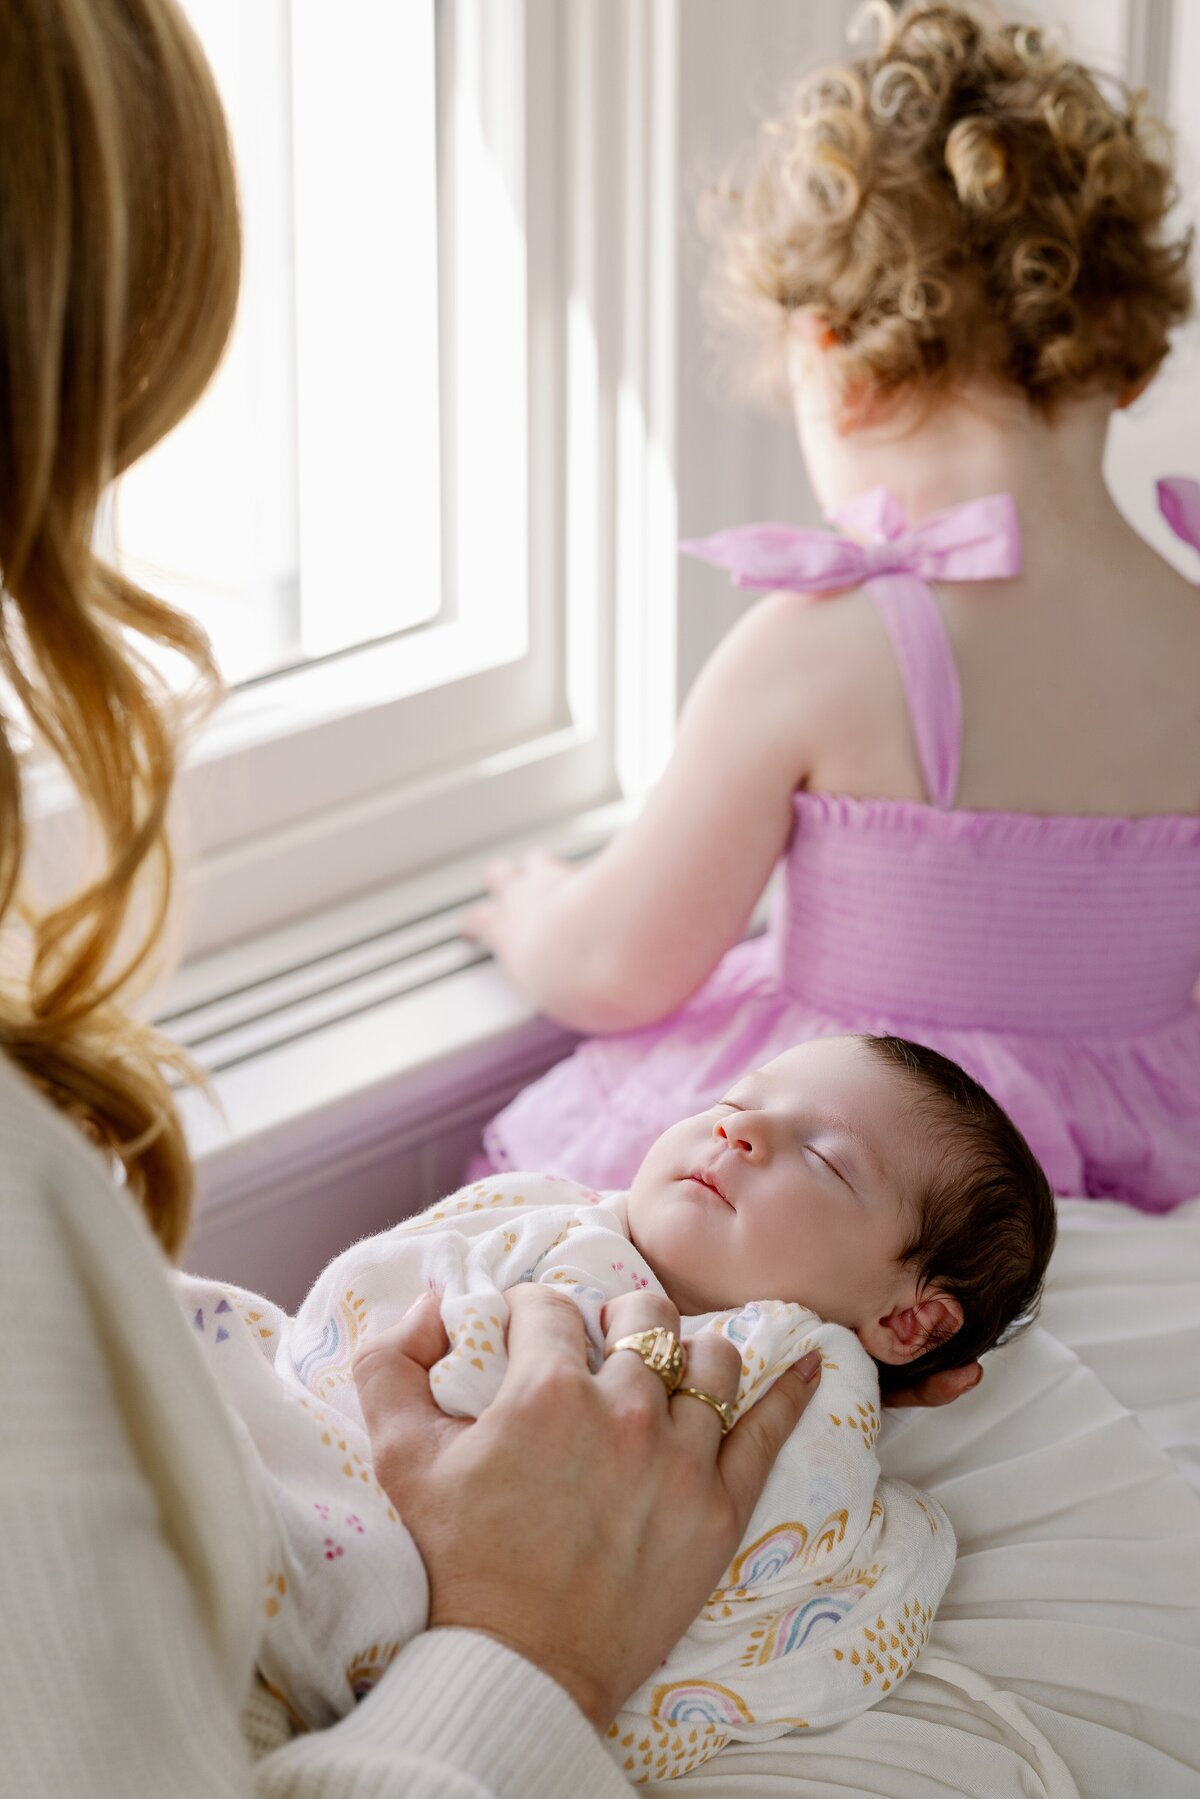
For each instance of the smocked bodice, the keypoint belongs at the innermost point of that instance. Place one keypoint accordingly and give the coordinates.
(990, 920)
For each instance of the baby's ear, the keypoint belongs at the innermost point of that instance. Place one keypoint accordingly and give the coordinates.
(909, 1331)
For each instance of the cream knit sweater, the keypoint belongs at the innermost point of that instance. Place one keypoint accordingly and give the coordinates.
(129, 1555)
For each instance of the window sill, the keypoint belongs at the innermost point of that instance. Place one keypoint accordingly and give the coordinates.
(353, 1061)
(356, 1039)
(388, 1078)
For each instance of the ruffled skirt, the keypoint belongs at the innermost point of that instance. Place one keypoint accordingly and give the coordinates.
(1113, 1117)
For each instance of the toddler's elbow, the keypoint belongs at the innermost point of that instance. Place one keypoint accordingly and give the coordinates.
(610, 993)
(595, 1012)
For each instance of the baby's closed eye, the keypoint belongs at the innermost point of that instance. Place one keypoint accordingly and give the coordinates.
(832, 1170)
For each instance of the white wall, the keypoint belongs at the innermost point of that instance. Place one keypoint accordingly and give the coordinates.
(735, 59)
(1161, 435)
(733, 464)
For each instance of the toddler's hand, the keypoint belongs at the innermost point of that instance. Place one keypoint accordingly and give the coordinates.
(515, 913)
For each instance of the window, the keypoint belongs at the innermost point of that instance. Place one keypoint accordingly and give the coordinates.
(271, 511)
(429, 508)
(433, 452)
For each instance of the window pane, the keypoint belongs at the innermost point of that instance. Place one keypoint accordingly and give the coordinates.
(273, 512)
(365, 111)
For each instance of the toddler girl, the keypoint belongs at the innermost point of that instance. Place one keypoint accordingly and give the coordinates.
(870, 1179)
(970, 726)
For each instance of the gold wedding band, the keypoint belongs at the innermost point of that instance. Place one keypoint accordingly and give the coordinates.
(661, 1351)
(721, 1407)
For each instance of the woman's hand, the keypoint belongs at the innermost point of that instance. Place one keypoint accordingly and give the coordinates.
(938, 1389)
(583, 1519)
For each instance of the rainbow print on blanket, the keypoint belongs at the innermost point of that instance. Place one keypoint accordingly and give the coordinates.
(699, 1702)
(326, 1363)
(789, 1630)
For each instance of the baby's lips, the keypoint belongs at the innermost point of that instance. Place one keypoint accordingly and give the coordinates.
(706, 1178)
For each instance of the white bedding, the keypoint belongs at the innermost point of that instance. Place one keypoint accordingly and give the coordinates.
(1065, 1660)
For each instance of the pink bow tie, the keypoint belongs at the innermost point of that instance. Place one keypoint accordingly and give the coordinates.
(979, 541)
(1179, 503)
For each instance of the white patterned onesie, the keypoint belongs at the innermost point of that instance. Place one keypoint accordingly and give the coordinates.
(823, 1610)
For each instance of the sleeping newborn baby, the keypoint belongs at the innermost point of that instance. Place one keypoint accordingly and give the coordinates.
(858, 1195)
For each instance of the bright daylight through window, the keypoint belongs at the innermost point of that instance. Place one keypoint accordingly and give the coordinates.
(370, 511)
(272, 511)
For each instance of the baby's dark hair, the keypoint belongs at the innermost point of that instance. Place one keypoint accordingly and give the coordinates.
(985, 1211)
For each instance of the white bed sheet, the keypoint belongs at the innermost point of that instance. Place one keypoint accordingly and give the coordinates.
(1065, 1660)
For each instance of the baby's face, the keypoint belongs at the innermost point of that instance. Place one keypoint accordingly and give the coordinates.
(791, 1187)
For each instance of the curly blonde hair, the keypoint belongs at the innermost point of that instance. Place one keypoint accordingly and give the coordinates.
(965, 202)
(120, 249)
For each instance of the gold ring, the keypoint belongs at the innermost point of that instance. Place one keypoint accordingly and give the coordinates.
(721, 1407)
(661, 1351)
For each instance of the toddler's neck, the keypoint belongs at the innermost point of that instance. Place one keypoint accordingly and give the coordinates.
(975, 443)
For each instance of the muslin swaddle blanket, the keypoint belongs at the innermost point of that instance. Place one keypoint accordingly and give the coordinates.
(823, 1610)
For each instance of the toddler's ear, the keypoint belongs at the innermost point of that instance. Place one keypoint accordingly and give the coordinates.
(809, 337)
(1133, 392)
(908, 1331)
(812, 329)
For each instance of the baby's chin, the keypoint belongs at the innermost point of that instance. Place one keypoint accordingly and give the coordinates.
(688, 1297)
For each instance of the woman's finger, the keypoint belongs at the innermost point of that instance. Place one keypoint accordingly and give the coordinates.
(713, 1369)
(625, 1370)
(545, 1334)
(640, 1311)
(937, 1389)
(749, 1451)
(391, 1373)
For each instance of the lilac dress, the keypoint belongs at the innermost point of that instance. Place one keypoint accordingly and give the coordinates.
(1055, 958)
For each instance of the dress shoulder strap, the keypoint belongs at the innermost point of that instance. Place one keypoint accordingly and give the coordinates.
(894, 563)
(917, 632)
(1179, 503)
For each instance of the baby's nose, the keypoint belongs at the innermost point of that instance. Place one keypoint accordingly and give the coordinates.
(736, 1133)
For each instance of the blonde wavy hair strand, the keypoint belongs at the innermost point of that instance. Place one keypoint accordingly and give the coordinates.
(119, 273)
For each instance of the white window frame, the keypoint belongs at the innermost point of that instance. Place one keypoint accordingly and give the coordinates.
(360, 774)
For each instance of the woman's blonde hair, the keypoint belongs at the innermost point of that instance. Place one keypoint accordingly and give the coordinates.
(119, 271)
(963, 202)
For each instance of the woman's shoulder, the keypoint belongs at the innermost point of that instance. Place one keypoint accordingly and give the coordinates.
(54, 1188)
(55, 1185)
(74, 1245)
(109, 1375)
